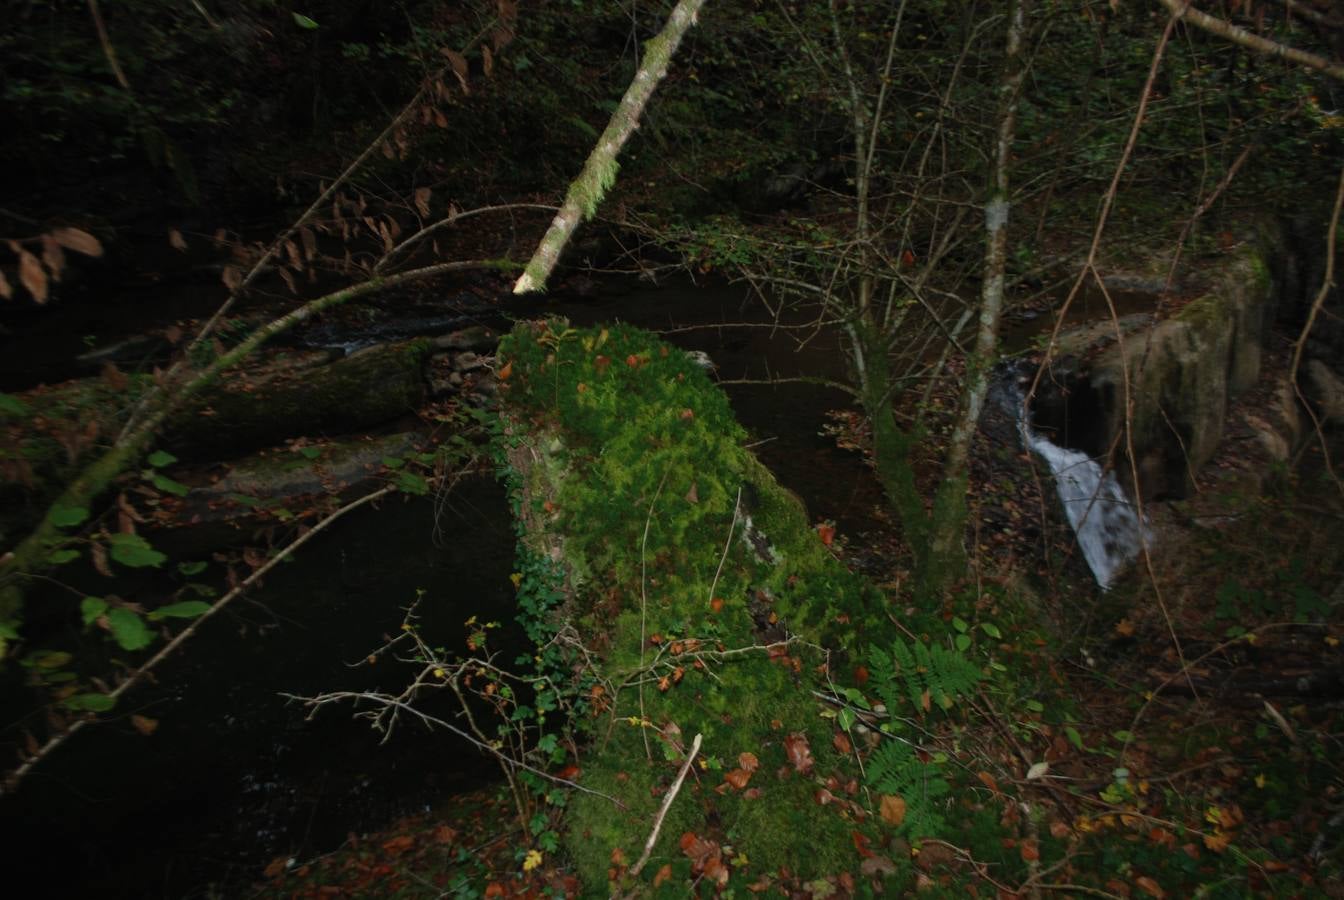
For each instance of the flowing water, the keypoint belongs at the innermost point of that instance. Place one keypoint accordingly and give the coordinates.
(1107, 524)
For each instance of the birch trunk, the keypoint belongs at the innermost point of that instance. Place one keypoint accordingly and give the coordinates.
(599, 172)
(949, 508)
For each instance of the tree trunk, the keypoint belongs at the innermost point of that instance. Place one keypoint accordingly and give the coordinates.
(599, 172)
(949, 507)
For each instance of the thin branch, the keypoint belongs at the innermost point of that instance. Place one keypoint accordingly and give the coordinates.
(662, 810)
(1182, 9)
(109, 52)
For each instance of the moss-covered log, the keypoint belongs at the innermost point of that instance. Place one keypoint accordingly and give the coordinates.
(705, 598)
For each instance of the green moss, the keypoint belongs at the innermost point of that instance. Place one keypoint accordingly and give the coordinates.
(693, 560)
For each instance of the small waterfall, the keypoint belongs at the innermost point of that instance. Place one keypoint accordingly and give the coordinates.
(1106, 523)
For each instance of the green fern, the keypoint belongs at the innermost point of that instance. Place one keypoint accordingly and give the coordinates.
(897, 769)
(927, 673)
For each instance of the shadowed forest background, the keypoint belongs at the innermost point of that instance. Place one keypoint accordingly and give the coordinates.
(917, 470)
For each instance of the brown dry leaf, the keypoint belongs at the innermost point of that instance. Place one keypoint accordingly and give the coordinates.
(440, 120)
(877, 865)
(53, 256)
(1217, 842)
(288, 278)
(1124, 628)
(1059, 830)
(487, 60)
(738, 778)
(445, 835)
(892, 810)
(1030, 851)
(309, 241)
(144, 724)
(98, 555)
(799, 753)
(459, 64)
(233, 279)
(422, 195)
(1150, 887)
(78, 240)
(176, 240)
(748, 761)
(399, 845)
(988, 781)
(6, 290)
(173, 334)
(841, 743)
(663, 874)
(32, 276)
(276, 867)
(693, 495)
(716, 871)
(295, 260)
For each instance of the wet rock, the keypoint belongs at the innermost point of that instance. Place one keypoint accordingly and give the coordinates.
(478, 338)
(468, 362)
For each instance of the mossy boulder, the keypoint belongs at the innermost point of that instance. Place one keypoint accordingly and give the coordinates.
(707, 604)
(1182, 374)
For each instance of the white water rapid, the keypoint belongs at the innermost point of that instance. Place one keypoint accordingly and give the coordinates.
(1106, 523)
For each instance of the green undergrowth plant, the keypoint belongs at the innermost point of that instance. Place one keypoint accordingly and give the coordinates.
(694, 597)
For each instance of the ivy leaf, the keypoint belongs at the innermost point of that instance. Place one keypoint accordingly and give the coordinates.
(91, 702)
(160, 458)
(168, 486)
(90, 608)
(61, 557)
(133, 551)
(68, 516)
(129, 630)
(412, 483)
(185, 609)
(304, 22)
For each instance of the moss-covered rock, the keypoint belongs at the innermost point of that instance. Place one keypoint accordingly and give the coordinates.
(707, 603)
(1182, 373)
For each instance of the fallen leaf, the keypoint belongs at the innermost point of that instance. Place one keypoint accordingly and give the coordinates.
(841, 743)
(144, 724)
(693, 495)
(398, 845)
(748, 761)
(1124, 628)
(445, 835)
(738, 778)
(877, 865)
(826, 532)
(892, 810)
(1030, 851)
(663, 874)
(716, 605)
(988, 781)
(799, 753)
(1150, 887)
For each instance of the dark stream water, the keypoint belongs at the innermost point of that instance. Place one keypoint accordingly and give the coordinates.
(235, 776)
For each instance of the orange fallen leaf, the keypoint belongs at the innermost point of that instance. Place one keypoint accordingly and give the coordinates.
(738, 778)
(716, 605)
(144, 724)
(1150, 887)
(841, 743)
(663, 874)
(988, 781)
(827, 533)
(892, 810)
(748, 761)
(504, 373)
(799, 753)
(1030, 851)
